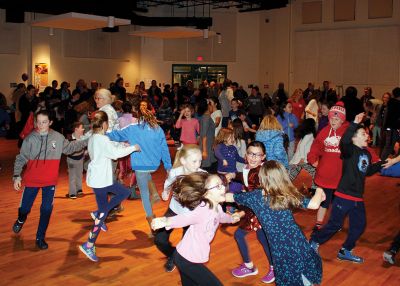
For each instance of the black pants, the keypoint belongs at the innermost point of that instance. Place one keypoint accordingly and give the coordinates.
(161, 239)
(395, 247)
(195, 274)
(340, 209)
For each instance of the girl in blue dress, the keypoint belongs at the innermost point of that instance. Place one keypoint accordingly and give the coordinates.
(295, 262)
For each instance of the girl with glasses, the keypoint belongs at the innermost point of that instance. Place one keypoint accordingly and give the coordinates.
(255, 156)
(202, 193)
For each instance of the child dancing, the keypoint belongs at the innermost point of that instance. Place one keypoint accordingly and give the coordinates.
(201, 193)
(295, 262)
(100, 177)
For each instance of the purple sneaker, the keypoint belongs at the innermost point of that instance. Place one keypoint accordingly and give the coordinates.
(270, 277)
(243, 271)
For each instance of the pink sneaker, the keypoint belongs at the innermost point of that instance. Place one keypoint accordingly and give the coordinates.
(270, 277)
(243, 271)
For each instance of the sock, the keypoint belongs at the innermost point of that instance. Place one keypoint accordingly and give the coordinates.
(249, 265)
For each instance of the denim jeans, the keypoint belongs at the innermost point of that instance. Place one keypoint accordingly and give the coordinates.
(143, 178)
(28, 197)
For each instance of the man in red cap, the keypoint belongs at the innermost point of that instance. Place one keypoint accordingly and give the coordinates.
(325, 156)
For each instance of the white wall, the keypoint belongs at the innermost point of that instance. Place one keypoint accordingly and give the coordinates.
(363, 52)
(35, 45)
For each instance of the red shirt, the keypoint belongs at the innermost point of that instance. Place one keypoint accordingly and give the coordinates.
(298, 108)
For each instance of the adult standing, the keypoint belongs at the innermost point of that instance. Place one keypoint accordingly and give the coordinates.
(225, 98)
(391, 124)
(216, 114)
(352, 103)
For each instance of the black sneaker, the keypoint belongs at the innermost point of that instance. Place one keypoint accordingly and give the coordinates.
(72, 196)
(41, 244)
(169, 266)
(18, 226)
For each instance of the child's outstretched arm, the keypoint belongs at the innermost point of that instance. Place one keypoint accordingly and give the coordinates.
(316, 200)
(390, 162)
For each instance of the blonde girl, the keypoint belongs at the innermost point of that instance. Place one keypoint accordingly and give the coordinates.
(187, 161)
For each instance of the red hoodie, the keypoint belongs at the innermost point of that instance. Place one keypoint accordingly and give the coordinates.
(325, 149)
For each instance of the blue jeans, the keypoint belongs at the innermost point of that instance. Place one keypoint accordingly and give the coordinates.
(240, 237)
(340, 209)
(119, 192)
(143, 178)
(28, 197)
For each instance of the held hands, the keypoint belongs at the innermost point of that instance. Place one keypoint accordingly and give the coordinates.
(224, 163)
(236, 216)
(315, 164)
(158, 222)
(165, 195)
(230, 176)
(359, 117)
(390, 161)
(137, 148)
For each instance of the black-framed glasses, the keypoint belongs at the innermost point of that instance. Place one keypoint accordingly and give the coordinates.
(254, 155)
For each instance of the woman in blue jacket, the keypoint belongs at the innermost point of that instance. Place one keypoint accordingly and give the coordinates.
(153, 145)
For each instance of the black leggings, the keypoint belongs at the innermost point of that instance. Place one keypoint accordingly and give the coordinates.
(195, 274)
(161, 239)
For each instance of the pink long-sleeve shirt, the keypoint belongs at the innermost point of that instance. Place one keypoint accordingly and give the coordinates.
(203, 221)
(189, 130)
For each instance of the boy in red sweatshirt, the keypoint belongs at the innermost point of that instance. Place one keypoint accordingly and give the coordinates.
(41, 152)
(325, 156)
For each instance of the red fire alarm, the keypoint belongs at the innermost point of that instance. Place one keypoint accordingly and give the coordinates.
(199, 58)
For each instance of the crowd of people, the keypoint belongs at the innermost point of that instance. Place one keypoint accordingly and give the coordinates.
(237, 155)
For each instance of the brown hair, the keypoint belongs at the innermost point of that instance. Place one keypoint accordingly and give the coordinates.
(270, 122)
(97, 120)
(223, 136)
(295, 95)
(190, 190)
(184, 152)
(275, 181)
(147, 115)
(76, 125)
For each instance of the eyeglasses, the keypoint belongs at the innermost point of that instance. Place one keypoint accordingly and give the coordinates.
(219, 186)
(254, 155)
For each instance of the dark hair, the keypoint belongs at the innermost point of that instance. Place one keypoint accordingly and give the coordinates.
(257, 144)
(238, 130)
(281, 110)
(235, 84)
(241, 112)
(216, 101)
(29, 87)
(76, 125)
(396, 92)
(189, 190)
(45, 112)
(305, 128)
(235, 99)
(202, 106)
(127, 107)
(351, 91)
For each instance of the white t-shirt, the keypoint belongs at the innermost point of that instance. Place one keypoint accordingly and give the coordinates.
(101, 151)
(214, 115)
(174, 205)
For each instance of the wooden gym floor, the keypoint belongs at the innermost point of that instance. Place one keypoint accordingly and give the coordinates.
(129, 257)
